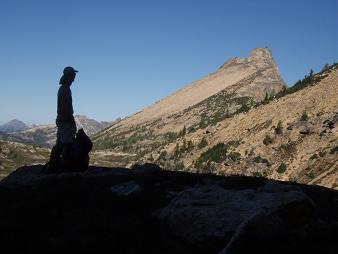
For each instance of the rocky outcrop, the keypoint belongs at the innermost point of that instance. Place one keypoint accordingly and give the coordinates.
(210, 211)
(266, 79)
(126, 189)
(117, 210)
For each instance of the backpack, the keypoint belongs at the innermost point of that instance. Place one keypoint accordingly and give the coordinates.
(79, 152)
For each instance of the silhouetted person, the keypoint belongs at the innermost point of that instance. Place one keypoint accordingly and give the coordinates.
(66, 127)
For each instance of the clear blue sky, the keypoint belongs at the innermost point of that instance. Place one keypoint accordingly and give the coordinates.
(133, 53)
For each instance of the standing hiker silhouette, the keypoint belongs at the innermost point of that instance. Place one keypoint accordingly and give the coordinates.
(65, 122)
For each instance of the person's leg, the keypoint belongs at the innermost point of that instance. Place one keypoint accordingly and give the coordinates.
(55, 154)
(68, 137)
(61, 152)
(55, 157)
(66, 155)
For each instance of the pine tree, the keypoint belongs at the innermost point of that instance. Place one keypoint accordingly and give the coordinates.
(326, 67)
(311, 73)
(184, 130)
(266, 96)
(279, 128)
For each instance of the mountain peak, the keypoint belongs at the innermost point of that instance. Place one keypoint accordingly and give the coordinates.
(90, 126)
(15, 121)
(81, 117)
(259, 57)
(13, 126)
(252, 77)
(261, 53)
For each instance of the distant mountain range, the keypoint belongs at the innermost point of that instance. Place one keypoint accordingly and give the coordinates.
(30, 145)
(13, 126)
(45, 135)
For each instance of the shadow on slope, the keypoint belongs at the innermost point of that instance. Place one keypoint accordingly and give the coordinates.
(154, 211)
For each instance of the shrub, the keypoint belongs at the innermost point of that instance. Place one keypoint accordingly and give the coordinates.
(190, 129)
(311, 73)
(289, 149)
(266, 96)
(177, 151)
(179, 165)
(279, 128)
(257, 174)
(235, 156)
(326, 67)
(163, 154)
(334, 150)
(322, 153)
(311, 175)
(305, 116)
(314, 157)
(282, 168)
(151, 158)
(185, 147)
(182, 132)
(11, 155)
(203, 143)
(267, 140)
(103, 144)
(259, 159)
(217, 153)
(170, 136)
(189, 146)
(244, 108)
(234, 143)
(307, 81)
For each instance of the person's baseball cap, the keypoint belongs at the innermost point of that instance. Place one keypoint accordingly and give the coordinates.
(69, 70)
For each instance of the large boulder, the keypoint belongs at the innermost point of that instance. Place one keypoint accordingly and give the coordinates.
(34, 175)
(207, 212)
(145, 168)
(126, 189)
(116, 210)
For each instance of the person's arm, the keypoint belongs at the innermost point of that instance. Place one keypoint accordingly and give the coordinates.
(66, 105)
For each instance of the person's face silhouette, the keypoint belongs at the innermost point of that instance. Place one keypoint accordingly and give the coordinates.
(71, 77)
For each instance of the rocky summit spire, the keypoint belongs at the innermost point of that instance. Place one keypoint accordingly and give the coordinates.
(261, 53)
(259, 71)
(260, 57)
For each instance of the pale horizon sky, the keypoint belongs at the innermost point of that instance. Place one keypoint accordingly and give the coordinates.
(132, 53)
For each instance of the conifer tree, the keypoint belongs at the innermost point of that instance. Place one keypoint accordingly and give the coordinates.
(311, 73)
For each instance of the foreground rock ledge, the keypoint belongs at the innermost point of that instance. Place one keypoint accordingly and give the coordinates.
(120, 210)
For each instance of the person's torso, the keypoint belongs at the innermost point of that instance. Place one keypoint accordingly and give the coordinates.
(64, 104)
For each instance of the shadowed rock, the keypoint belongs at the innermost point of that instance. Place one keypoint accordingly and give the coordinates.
(203, 212)
(115, 210)
(125, 189)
